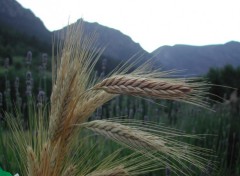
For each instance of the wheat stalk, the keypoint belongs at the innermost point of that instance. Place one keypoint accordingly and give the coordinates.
(62, 112)
(87, 106)
(79, 113)
(90, 102)
(33, 167)
(156, 88)
(75, 98)
(75, 62)
(117, 171)
(70, 171)
(71, 102)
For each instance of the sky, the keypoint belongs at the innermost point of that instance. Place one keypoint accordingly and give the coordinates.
(151, 23)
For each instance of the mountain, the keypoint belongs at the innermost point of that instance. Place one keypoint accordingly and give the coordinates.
(13, 15)
(21, 30)
(21, 21)
(117, 45)
(196, 60)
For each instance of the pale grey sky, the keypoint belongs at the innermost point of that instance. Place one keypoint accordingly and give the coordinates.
(152, 23)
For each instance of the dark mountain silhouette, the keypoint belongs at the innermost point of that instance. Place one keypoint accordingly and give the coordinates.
(13, 15)
(21, 31)
(197, 60)
(117, 45)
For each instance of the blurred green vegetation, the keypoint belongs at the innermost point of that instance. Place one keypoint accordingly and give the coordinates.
(227, 76)
(220, 130)
(13, 42)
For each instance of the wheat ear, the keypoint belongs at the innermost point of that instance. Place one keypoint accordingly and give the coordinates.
(33, 167)
(90, 102)
(154, 146)
(124, 134)
(130, 85)
(70, 171)
(117, 171)
(64, 100)
(44, 168)
(74, 63)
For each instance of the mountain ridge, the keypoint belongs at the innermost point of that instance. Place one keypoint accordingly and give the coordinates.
(117, 45)
(195, 59)
(12, 14)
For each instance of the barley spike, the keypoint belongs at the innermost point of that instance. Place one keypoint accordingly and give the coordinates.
(125, 134)
(117, 171)
(147, 87)
(33, 167)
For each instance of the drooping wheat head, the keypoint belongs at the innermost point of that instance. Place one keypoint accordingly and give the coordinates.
(145, 87)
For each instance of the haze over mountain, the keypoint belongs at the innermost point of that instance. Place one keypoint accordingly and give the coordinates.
(194, 59)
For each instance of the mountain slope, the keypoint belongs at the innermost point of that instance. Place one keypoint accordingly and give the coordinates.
(117, 45)
(13, 15)
(21, 31)
(21, 21)
(196, 60)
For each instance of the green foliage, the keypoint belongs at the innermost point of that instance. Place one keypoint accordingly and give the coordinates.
(18, 69)
(14, 43)
(226, 76)
(214, 128)
(220, 126)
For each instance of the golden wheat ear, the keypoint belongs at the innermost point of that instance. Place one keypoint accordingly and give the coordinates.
(70, 171)
(73, 67)
(117, 171)
(157, 148)
(71, 100)
(33, 166)
(156, 88)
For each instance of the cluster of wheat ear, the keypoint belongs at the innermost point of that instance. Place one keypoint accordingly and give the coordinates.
(50, 148)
